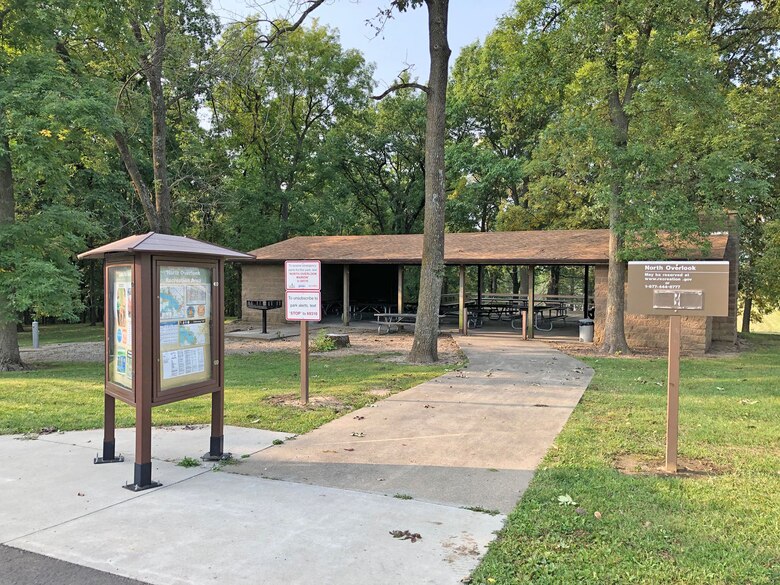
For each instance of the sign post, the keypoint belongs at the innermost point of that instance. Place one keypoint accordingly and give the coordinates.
(303, 303)
(675, 289)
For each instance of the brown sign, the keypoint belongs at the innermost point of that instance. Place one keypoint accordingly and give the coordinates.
(678, 288)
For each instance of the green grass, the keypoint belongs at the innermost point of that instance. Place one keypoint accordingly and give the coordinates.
(769, 323)
(70, 396)
(711, 528)
(62, 333)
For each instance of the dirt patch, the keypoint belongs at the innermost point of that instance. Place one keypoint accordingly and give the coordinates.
(381, 392)
(315, 402)
(717, 350)
(639, 465)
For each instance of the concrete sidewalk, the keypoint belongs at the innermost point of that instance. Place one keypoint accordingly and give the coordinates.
(467, 439)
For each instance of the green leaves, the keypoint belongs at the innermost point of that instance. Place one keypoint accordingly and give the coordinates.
(36, 263)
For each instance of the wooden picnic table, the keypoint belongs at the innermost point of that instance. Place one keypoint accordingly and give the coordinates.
(392, 322)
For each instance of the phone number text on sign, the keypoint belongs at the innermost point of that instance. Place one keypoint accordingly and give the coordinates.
(303, 306)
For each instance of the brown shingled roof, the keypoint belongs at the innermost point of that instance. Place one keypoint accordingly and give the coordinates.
(495, 248)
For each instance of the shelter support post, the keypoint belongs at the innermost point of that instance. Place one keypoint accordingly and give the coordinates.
(462, 299)
(531, 316)
(345, 297)
(480, 274)
(585, 292)
(673, 393)
(400, 288)
(109, 426)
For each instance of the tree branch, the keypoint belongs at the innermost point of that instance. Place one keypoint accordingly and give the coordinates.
(398, 86)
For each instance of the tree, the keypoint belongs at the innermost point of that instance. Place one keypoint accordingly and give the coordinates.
(641, 132)
(276, 107)
(153, 53)
(381, 156)
(44, 120)
(425, 345)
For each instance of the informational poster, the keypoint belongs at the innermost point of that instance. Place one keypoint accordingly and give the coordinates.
(120, 347)
(185, 325)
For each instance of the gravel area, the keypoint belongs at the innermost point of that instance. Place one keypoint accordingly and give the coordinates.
(361, 343)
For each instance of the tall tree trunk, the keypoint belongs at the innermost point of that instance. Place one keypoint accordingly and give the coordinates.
(554, 286)
(426, 334)
(746, 314)
(9, 340)
(154, 66)
(614, 329)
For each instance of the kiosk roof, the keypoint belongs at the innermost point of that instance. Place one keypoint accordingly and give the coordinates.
(163, 243)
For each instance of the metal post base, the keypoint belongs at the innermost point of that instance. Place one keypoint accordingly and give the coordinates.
(117, 459)
(109, 454)
(217, 450)
(143, 479)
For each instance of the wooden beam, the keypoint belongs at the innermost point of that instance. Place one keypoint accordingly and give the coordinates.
(530, 320)
(345, 297)
(400, 288)
(462, 299)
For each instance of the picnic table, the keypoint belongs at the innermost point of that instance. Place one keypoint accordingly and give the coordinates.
(392, 322)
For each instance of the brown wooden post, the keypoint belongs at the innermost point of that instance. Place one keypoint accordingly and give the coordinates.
(673, 393)
(217, 439)
(530, 320)
(304, 362)
(400, 288)
(345, 297)
(480, 273)
(525, 324)
(461, 299)
(586, 293)
(144, 367)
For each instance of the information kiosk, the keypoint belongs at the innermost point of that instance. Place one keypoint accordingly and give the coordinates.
(164, 318)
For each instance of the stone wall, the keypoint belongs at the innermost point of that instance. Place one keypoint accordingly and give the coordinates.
(651, 331)
(262, 282)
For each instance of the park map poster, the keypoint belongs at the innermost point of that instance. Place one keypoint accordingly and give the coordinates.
(120, 352)
(185, 325)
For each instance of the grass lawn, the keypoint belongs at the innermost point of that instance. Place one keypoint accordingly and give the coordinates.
(769, 324)
(70, 396)
(62, 333)
(720, 527)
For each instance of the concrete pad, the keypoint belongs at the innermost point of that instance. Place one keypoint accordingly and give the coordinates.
(49, 473)
(43, 484)
(173, 443)
(224, 528)
(467, 438)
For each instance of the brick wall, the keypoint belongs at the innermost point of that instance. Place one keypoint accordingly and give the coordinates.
(262, 282)
(651, 331)
(725, 328)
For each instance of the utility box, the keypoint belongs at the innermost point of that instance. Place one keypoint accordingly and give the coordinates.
(164, 318)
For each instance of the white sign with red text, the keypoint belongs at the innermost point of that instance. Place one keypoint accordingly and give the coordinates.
(303, 305)
(302, 275)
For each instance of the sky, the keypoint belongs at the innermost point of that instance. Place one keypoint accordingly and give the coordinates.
(403, 40)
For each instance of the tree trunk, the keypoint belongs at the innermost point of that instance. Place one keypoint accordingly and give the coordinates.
(554, 286)
(614, 330)
(9, 340)
(426, 334)
(746, 314)
(162, 189)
